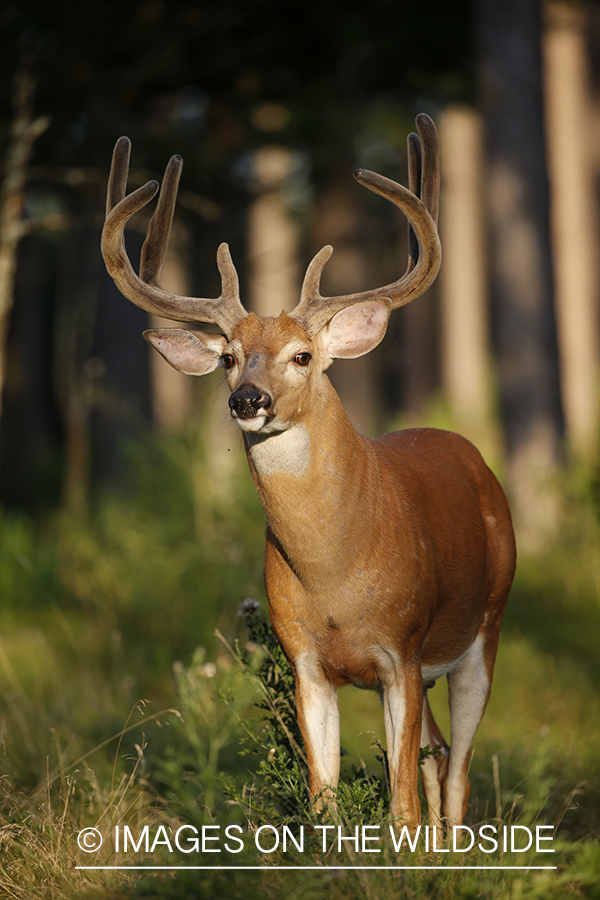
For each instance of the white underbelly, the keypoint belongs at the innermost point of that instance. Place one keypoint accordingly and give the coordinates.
(432, 673)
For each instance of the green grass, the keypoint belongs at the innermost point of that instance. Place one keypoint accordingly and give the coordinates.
(111, 716)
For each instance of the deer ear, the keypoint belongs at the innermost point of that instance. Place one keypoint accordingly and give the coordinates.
(357, 329)
(190, 352)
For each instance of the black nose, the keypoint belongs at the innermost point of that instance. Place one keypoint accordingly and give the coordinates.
(247, 401)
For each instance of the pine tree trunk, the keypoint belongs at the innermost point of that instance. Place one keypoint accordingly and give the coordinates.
(509, 44)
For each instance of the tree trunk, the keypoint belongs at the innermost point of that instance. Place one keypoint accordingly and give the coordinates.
(274, 283)
(574, 221)
(24, 131)
(509, 44)
(466, 351)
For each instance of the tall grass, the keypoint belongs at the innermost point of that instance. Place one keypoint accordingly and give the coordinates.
(121, 707)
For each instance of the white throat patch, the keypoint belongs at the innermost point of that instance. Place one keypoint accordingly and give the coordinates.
(280, 453)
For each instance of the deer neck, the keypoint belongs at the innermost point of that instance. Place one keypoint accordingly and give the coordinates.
(311, 481)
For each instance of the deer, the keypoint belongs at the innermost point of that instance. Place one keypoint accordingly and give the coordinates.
(388, 561)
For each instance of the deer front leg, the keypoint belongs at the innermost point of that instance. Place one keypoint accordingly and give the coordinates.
(402, 711)
(319, 721)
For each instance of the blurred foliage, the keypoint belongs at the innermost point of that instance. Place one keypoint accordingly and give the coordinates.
(117, 595)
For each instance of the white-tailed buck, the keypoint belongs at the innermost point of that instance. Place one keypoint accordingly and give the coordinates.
(388, 562)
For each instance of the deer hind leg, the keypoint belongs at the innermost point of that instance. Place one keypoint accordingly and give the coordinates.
(434, 768)
(468, 692)
(319, 721)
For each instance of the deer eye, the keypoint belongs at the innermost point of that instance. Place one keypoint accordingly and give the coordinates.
(228, 360)
(302, 359)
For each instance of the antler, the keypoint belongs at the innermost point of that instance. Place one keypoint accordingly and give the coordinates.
(419, 202)
(145, 290)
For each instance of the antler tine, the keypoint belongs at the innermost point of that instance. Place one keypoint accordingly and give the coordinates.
(117, 179)
(145, 290)
(430, 168)
(425, 255)
(413, 147)
(155, 246)
(423, 177)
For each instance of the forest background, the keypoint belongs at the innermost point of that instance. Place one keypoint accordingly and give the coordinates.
(129, 527)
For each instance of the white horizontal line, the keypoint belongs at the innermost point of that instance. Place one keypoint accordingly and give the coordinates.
(317, 868)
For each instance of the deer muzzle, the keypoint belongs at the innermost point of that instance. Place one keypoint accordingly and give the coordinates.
(247, 402)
